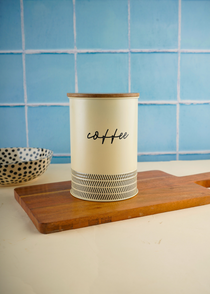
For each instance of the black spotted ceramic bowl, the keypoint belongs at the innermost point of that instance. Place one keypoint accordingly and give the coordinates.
(20, 165)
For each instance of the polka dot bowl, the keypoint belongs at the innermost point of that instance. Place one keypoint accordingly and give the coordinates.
(20, 165)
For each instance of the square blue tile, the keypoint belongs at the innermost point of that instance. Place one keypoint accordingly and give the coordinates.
(195, 76)
(157, 157)
(154, 75)
(154, 24)
(195, 32)
(49, 77)
(156, 128)
(48, 24)
(11, 78)
(13, 132)
(102, 72)
(10, 25)
(194, 127)
(49, 128)
(102, 24)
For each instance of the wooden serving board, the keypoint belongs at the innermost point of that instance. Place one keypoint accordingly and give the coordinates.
(52, 208)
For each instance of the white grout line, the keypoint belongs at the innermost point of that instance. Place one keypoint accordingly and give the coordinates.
(157, 102)
(179, 48)
(75, 68)
(178, 81)
(188, 102)
(129, 46)
(129, 72)
(178, 102)
(184, 102)
(157, 153)
(75, 47)
(37, 51)
(10, 51)
(102, 51)
(74, 26)
(73, 51)
(195, 50)
(47, 104)
(174, 153)
(22, 25)
(154, 50)
(152, 153)
(66, 51)
(195, 152)
(177, 130)
(24, 70)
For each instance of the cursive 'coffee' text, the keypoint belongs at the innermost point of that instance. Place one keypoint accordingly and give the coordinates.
(105, 136)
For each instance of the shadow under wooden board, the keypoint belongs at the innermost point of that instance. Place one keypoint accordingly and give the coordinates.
(52, 208)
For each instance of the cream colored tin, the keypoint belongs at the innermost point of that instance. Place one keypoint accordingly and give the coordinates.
(103, 130)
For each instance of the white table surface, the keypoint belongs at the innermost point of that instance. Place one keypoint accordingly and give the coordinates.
(164, 253)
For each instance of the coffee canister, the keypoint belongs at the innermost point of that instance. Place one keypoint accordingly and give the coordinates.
(103, 132)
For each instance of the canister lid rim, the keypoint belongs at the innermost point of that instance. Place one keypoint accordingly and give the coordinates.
(104, 95)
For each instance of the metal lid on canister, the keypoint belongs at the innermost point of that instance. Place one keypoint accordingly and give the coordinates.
(103, 95)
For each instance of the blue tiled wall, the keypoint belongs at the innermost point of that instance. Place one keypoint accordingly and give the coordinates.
(159, 48)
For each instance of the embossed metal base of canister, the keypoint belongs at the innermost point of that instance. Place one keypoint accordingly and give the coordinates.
(103, 131)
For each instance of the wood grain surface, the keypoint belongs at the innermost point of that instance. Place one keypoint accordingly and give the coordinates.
(52, 208)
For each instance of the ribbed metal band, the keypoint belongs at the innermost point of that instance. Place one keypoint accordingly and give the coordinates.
(96, 187)
(104, 177)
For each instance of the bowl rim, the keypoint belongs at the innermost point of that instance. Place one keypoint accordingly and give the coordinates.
(21, 161)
